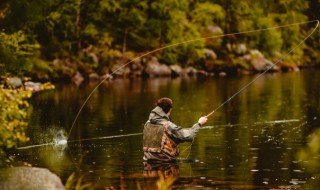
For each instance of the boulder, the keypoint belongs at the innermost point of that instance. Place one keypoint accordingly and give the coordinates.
(257, 60)
(176, 70)
(191, 71)
(202, 73)
(240, 49)
(245, 58)
(136, 67)
(136, 64)
(14, 82)
(222, 74)
(258, 64)
(274, 66)
(154, 68)
(106, 76)
(210, 54)
(32, 86)
(94, 77)
(120, 69)
(256, 53)
(29, 178)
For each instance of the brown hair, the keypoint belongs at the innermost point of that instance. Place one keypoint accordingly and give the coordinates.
(165, 103)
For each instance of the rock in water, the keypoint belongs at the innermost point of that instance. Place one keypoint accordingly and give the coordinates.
(154, 68)
(15, 82)
(29, 178)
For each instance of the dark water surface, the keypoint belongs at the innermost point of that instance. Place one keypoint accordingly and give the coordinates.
(253, 142)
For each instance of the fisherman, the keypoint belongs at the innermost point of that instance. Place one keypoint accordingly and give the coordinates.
(161, 136)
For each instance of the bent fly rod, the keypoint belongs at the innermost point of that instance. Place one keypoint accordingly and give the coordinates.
(191, 41)
(186, 42)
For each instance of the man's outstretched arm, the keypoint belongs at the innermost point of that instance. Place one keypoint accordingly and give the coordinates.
(186, 134)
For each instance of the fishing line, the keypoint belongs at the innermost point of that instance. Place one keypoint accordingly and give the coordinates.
(259, 76)
(34, 146)
(88, 139)
(107, 137)
(177, 44)
(137, 134)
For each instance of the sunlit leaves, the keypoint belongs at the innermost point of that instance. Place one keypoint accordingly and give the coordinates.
(270, 41)
(17, 42)
(110, 5)
(205, 13)
(13, 114)
(14, 51)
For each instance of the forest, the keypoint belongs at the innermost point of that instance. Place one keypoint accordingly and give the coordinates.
(56, 39)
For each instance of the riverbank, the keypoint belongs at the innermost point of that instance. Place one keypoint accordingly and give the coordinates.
(242, 63)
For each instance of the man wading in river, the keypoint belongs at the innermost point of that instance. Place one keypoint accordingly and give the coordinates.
(161, 136)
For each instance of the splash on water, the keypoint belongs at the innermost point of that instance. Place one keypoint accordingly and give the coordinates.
(61, 142)
(60, 138)
(55, 138)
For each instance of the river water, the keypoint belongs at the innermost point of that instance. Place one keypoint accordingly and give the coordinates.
(253, 142)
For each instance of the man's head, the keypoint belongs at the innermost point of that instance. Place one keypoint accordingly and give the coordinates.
(165, 103)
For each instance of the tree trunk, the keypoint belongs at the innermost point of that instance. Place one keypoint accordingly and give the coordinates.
(124, 43)
(78, 4)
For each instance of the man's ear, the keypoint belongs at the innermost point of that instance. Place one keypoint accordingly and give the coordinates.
(169, 112)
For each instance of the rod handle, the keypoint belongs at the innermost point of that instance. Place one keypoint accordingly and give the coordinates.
(210, 114)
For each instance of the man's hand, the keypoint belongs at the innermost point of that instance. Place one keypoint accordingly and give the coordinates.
(202, 120)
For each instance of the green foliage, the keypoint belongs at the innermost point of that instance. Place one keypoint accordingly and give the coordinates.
(111, 28)
(173, 26)
(105, 51)
(13, 116)
(251, 15)
(269, 41)
(205, 13)
(15, 51)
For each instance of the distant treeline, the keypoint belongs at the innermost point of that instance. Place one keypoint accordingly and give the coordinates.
(96, 34)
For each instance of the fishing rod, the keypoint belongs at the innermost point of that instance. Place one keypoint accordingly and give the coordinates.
(264, 72)
(186, 42)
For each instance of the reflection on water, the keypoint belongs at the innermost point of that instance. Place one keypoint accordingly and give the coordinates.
(160, 175)
(250, 143)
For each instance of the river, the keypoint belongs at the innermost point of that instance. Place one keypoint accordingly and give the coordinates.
(252, 142)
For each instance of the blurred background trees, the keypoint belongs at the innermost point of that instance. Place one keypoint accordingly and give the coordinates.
(34, 33)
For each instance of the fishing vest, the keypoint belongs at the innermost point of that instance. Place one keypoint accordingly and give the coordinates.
(156, 139)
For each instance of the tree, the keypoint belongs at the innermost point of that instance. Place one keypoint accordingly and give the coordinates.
(314, 41)
(15, 52)
(124, 19)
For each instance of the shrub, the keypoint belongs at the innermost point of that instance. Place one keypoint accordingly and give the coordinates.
(13, 115)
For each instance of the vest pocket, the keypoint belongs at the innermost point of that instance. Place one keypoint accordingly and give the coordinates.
(169, 146)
